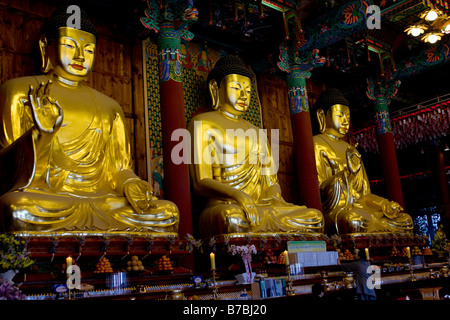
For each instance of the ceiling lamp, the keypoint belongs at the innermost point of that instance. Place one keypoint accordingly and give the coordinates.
(431, 15)
(446, 27)
(433, 22)
(432, 37)
(416, 30)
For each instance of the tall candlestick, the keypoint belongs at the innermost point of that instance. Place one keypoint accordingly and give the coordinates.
(286, 255)
(212, 257)
(367, 254)
(408, 251)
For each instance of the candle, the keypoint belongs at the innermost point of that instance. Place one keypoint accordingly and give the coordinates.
(68, 261)
(286, 255)
(212, 257)
(68, 264)
(367, 254)
(408, 251)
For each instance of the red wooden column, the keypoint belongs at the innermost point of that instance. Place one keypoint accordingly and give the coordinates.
(171, 91)
(305, 161)
(390, 168)
(382, 96)
(298, 70)
(171, 20)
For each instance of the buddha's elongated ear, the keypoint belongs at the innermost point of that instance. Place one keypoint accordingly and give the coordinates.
(214, 92)
(320, 114)
(46, 64)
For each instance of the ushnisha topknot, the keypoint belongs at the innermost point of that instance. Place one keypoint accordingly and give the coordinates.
(59, 20)
(226, 65)
(329, 98)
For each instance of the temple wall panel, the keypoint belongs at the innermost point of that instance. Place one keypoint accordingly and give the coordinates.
(275, 114)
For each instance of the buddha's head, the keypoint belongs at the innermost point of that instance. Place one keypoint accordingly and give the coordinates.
(230, 85)
(72, 48)
(333, 113)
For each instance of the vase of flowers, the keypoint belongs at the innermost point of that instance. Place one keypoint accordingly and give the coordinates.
(246, 254)
(440, 244)
(13, 257)
(10, 291)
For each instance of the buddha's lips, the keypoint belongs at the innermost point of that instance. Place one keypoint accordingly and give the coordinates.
(77, 66)
(241, 104)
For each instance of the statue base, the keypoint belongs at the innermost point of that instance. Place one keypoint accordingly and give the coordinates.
(111, 244)
(382, 239)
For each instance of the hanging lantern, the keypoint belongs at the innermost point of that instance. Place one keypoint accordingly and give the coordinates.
(432, 37)
(416, 30)
(424, 125)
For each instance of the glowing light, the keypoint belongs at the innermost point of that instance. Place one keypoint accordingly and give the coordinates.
(416, 30)
(431, 15)
(446, 28)
(432, 37)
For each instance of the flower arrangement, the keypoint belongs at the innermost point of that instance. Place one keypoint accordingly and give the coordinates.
(13, 253)
(10, 291)
(13, 256)
(246, 254)
(440, 244)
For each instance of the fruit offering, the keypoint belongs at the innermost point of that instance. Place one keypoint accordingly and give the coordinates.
(404, 252)
(103, 266)
(348, 255)
(135, 264)
(340, 254)
(395, 252)
(270, 257)
(281, 258)
(416, 251)
(164, 264)
(427, 251)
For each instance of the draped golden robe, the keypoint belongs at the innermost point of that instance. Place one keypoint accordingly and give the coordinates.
(347, 202)
(244, 163)
(75, 182)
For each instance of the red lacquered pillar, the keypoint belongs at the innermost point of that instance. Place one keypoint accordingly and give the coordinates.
(176, 174)
(172, 24)
(308, 182)
(388, 153)
(382, 94)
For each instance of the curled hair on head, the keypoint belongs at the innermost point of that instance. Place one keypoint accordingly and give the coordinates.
(227, 65)
(59, 19)
(329, 98)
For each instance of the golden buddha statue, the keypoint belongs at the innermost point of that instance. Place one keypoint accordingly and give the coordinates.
(233, 166)
(347, 202)
(65, 151)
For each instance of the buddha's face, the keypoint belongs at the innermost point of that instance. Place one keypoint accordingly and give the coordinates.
(234, 94)
(75, 53)
(337, 120)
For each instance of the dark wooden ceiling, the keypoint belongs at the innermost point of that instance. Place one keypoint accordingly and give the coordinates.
(256, 37)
